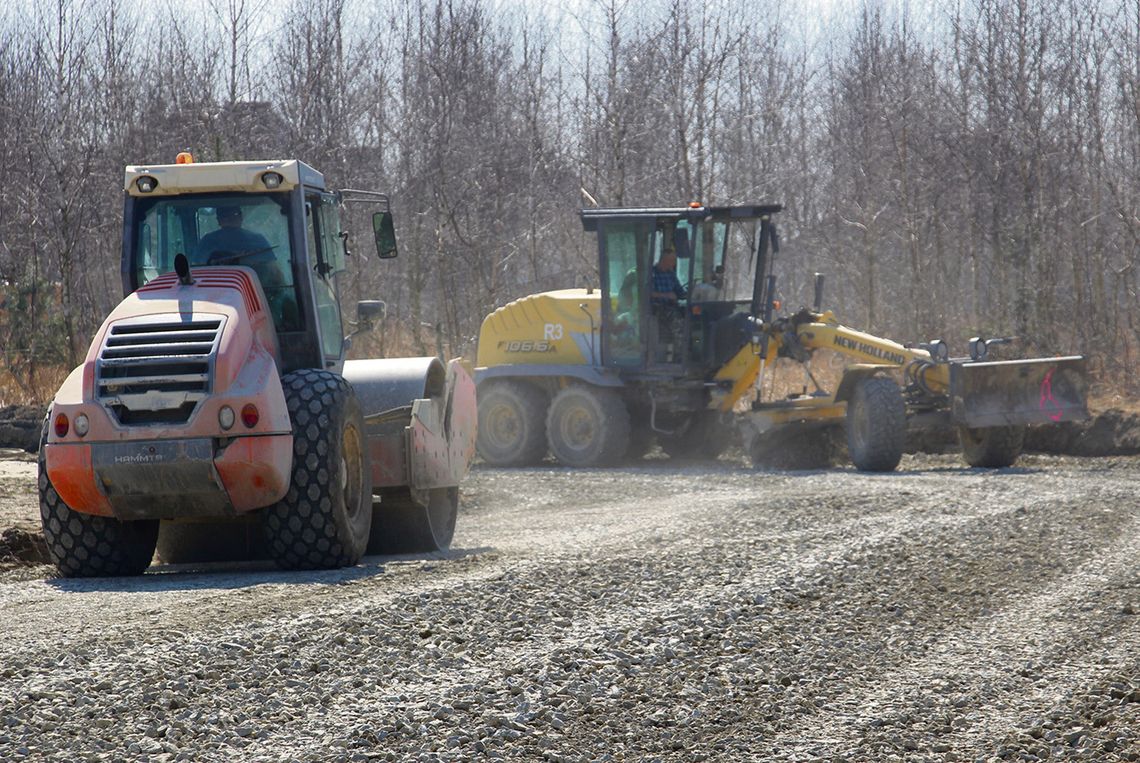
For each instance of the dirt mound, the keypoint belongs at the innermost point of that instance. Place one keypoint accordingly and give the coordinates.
(20, 427)
(21, 548)
(1112, 433)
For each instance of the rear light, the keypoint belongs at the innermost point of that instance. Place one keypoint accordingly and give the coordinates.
(250, 416)
(62, 425)
(82, 424)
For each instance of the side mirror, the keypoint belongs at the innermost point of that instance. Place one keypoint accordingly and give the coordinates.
(385, 231)
(370, 310)
(681, 244)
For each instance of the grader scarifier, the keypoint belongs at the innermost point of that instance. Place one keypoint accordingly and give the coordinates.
(596, 375)
(215, 415)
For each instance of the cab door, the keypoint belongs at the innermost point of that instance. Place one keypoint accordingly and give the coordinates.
(625, 248)
(326, 247)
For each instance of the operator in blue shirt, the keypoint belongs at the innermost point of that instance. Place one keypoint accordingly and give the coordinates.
(667, 288)
(231, 242)
(665, 291)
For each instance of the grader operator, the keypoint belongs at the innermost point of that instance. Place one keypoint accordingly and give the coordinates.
(661, 352)
(215, 414)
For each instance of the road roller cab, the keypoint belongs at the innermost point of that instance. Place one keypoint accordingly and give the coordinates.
(215, 414)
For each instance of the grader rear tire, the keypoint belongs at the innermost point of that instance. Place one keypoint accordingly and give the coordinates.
(588, 426)
(512, 423)
(876, 425)
(991, 447)
(324, 519)
(401, 525)
(84, 545)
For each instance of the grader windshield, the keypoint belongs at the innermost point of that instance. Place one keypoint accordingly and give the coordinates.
(633, 247)
(671, 278)
(221, 229)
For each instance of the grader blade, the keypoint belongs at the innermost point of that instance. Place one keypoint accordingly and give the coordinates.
(1019, 392)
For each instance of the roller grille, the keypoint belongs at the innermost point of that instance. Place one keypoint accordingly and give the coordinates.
(157, 373)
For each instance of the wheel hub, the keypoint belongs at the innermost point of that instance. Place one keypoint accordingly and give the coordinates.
(503, 425)
(578, 428)
(351, 469)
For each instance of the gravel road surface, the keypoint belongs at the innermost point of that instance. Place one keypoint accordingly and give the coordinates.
(651, 613)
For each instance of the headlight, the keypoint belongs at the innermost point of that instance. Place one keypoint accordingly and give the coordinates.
(271, 180)
(82, 424)
(978, 348)
(146, 184)
(226, 417)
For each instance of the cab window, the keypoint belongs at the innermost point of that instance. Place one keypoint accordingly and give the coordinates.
(222, 229)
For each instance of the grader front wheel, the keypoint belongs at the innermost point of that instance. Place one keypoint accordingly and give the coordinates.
(991, 447)
(588, 426)
(876, 425)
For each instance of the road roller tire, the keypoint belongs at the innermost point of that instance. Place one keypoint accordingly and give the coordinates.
(85, 545)
(324, 519)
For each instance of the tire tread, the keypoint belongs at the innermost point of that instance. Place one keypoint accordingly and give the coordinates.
(532, 403)
(87, 545)
(883, 448)
(991, 447)
(612, 418)
(305, 530)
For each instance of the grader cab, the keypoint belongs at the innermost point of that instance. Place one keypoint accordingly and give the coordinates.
(215, 415)
(596, 375)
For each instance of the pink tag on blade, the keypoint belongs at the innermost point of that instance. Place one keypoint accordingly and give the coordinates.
(1047, 399)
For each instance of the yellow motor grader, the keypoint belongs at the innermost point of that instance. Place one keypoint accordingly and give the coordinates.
(215, 415)
(596, 375)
